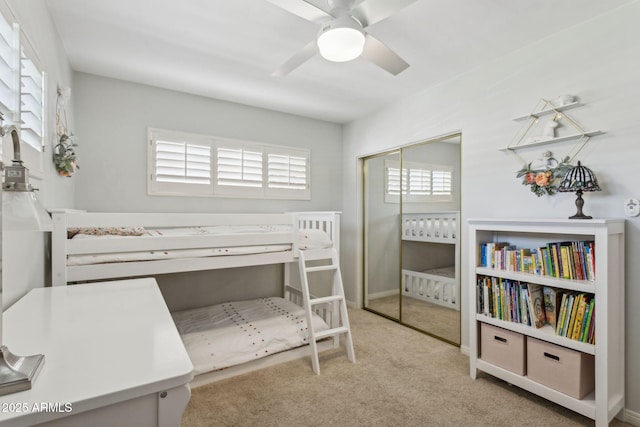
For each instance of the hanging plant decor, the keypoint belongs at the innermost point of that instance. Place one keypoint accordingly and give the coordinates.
(64, 155)
(544, 177)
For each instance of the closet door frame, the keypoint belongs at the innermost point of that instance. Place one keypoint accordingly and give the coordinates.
(365, 274)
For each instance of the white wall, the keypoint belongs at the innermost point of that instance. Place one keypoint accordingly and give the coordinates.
(598, 61)
(25, 262)
(113, 117)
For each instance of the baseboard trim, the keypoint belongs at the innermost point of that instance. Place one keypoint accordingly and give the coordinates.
(631, 417)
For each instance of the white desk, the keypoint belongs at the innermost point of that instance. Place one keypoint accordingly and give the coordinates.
(112, 357)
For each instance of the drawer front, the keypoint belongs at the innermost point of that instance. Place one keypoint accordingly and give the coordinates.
(503, 348)
(562, 369)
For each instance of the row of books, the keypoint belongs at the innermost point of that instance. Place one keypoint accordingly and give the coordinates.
(570, 314)
(576, 318)
(567, 260)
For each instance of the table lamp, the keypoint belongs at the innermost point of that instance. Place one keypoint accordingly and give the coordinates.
(579, 179)
(23, 213)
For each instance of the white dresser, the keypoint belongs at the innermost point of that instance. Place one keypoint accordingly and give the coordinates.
(112, 357)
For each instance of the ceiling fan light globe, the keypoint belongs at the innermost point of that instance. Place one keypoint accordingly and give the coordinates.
(341, 40)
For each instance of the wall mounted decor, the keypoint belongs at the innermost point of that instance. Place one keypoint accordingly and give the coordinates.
(64, 156)
(548, 124)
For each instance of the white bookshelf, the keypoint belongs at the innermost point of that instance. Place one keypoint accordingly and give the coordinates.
(608, 290)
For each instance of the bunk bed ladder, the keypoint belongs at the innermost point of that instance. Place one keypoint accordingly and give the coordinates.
(339, 324)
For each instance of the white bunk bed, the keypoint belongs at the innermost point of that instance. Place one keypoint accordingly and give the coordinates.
(89, 246)
(435, 284)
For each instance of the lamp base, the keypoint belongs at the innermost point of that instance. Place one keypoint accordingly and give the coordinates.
(17, 373)
(579, 205)
(580, 216)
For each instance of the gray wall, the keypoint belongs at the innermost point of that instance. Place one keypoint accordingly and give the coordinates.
(113, 117)
(597, 61)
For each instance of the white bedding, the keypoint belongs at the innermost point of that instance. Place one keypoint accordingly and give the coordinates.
(228, 334)
(449, 272)
(307, 239)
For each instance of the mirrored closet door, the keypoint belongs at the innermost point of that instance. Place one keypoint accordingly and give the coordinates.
(381, 231)
(412, 223)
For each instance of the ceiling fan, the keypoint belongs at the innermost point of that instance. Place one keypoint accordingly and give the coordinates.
(342, 36)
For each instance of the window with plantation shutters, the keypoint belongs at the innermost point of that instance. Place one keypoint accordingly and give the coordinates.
(417, 182)
(8, 52)
(22, 95)
(185, 164)
(181, 162)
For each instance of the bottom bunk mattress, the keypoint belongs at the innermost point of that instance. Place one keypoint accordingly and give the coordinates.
(228, 334)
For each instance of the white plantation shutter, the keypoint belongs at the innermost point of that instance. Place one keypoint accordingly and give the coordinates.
(182, 164)
(417, 182)
(442, 185)
(8, 76)
(22, 100)
(287, 172)
(396, 181)
(31, 103)
(239, 167)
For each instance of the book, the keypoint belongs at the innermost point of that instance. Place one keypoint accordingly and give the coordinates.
(552, 300)
(587, 320)
(577, 328)
(536, 305)
(572, 318)
(561, 314)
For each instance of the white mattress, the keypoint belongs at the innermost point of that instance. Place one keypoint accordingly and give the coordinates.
(228, 334)
(449, 272)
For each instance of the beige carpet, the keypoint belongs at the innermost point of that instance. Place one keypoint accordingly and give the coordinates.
(402, 378)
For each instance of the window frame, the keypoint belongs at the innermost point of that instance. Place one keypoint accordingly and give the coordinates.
(216, 189)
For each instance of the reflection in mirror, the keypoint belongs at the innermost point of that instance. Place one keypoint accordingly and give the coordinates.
(381, 231)
(430, 212)
(411, 236)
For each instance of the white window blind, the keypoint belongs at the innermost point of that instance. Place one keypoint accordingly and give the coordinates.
(180, 162)
(239, 167)
(8, 60)
(287, 172)
(442, 182)
(186, 164)
(31, 102)
(417, 182)
(22, 95)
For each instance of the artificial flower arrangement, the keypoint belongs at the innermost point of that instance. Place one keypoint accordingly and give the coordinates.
(64, 155)
(543, 178)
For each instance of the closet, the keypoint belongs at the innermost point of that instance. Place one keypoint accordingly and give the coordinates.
(411, 216)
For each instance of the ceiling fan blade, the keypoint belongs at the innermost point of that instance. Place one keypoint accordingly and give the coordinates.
(378, 53)
(371, 11)
(303, 9)
(297, 60)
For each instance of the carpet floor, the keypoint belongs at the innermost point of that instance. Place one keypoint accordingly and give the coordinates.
(402, 378)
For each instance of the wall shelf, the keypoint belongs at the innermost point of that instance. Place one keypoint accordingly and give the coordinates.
(554, 140)
(548, 110)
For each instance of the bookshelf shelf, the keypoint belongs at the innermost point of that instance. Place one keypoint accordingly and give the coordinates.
(607, 290)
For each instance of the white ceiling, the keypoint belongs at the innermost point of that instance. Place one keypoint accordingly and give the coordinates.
(228, 49)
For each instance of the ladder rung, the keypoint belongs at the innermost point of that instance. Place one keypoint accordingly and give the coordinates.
(321, 300)
(331, 332)
(321, 268)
